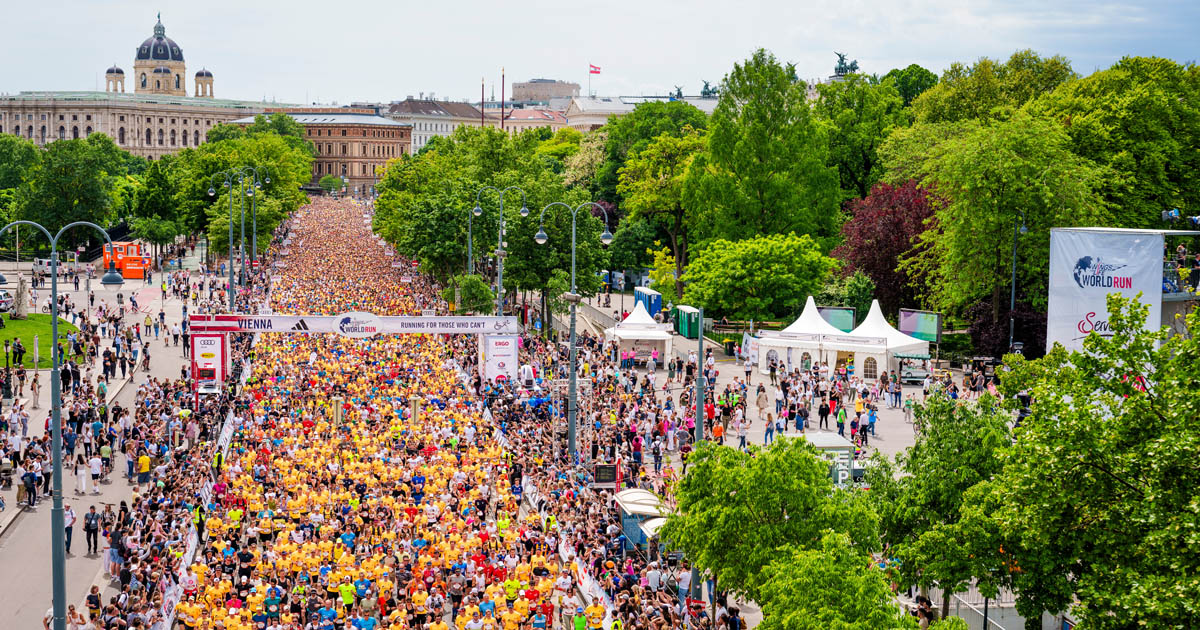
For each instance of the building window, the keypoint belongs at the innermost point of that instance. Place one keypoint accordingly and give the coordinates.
(121, 135)
(75, 133)
(62, 132)
(43, 136)
(157, 84)
(196, 138)
(177, 82)
(343, 132)
(149, 138)
(89, 131)
(172, 137)
(161, 137)
(88, 117)
(143, 79)
(870, 369)
(120, 118)
(344, 173)
(345, 149)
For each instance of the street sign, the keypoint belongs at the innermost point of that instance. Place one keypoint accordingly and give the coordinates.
(416, 263)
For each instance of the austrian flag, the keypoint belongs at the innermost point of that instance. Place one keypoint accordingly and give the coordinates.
(593, 69)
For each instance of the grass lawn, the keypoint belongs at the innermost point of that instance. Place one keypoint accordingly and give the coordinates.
(37, 324)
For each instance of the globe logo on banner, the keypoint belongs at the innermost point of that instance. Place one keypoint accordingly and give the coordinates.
(1091, 272)
(359, 325)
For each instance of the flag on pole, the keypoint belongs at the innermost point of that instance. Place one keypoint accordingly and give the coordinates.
(593, 69)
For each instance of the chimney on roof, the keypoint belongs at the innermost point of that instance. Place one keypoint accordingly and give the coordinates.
(422, 95)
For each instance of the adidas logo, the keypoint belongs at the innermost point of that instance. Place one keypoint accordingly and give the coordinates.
(300, 325)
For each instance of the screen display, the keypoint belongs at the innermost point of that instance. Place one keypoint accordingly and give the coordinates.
(924, 325)
(606, 473)
(840, 317)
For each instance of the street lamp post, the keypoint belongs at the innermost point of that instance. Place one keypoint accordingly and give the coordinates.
(228, 176)
(476, 211)
(1012, 298)
(57, 529)
(606, 237)
(500, 245)
(257, 186)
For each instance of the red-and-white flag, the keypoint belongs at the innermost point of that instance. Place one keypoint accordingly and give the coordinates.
(593, 69)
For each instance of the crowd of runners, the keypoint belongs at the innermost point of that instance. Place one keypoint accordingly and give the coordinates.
(379, 483)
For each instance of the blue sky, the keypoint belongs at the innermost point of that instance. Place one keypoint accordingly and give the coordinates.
(303, 51)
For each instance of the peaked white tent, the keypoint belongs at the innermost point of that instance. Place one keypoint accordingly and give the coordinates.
(810, 322)
(897, 342)
(810, 340)
(640, 333)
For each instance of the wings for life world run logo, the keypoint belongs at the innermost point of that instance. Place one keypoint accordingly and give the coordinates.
(1092, 273)
(359, 325)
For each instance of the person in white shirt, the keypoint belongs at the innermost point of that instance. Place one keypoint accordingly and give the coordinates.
(69, 525)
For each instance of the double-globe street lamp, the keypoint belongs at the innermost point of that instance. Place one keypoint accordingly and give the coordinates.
(247, 180)
(500, 244)
(541, 238)
(57, 529)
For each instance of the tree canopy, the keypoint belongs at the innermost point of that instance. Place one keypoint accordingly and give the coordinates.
(859, 114)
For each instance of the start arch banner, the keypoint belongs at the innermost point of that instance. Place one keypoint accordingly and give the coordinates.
(355, 324)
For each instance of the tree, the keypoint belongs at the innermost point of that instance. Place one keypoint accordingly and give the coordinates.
(757, 278)
(920, 494)
(860, 114)
(17, 157)
(225, 131)
(581, 167)
(766, 170)
(832, 585)
(881, 231)
(330, 183)
(68, 184)
(911, 81)
(1093, 491)
(155, 213)
(990, 89)
(470, 293)
(626, 136)
(630, 247)
(561, 146)
(1140, 118)
(738, 512)
(984, 177)
(854, 290)
(652, 186)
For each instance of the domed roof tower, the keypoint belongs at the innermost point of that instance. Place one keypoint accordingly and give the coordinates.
(158, 65)
(114, 79)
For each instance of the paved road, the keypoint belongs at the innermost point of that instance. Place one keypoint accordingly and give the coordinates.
(25, 581)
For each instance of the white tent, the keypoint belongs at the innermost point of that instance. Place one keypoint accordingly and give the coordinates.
(639, 332)
(897, 342)
(810, 340)
(811, 322)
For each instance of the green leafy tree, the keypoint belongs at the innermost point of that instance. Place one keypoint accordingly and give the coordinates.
(630, 249)
(626, 136)
(1140, 118)
(860, 114)
(991, 89)
(662, 269)
(830, 585)
(920, 494)
(474, 294)
(766, 170)
(68, 184)
(562, 145)
(155, 213)
(757, 278)
(225, 131)
(911, 81)
(855, 290)
(652, 185)
(985, 176)
(582, 166)
(17, 157)
(738, 512)
(1095, 490)
(330, 183)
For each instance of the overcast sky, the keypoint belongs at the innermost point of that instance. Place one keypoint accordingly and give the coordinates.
(304, 51)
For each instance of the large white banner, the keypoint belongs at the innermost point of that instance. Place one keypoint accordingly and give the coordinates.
(499, 358)
(355, 325)
(1088, 264)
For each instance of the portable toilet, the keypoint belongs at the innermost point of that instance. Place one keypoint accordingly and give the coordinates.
(687, 321)
(650, 299)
